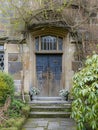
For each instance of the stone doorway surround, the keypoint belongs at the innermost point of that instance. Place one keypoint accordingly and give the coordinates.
(67, 57)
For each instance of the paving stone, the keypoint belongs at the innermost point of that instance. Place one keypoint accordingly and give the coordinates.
(49, 124)
(42, 123)
(53, 125)
(31, 121)
(37, 119)
(39, 128)
(66, 124)
(30, 125)
(53, 129)
(66, 128)
(54, 119)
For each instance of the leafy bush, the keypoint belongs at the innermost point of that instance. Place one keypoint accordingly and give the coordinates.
(15, 108)
(19, 123)
(6, 87)
(13, 124)
(17, 116)
(25, 110)
(11, 128)
(18, 109)
(85, 93)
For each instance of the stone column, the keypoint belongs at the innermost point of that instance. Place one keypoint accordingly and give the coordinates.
(5, 58)
(69, 50)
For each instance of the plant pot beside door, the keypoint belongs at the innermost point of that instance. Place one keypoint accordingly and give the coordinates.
(33, 92)
(64, 94)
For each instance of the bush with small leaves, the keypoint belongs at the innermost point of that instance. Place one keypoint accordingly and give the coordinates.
(15, 109)
(85, 93)
(13, 124)
(26, 110)
(11, 128)
(6, 87)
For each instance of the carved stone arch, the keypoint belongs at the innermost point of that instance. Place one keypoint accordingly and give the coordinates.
(47, 18)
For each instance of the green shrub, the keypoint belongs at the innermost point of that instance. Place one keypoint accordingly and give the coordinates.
(10, 122)
(15, 123)
(19, 122)
(15, 109)
(6, 86)
(25, 110)
(85, 93)
(18, 108)
(10, 128)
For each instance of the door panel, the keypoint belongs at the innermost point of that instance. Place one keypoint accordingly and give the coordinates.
(49, 74)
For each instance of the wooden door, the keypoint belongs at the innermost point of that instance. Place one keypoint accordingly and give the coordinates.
(49, 73)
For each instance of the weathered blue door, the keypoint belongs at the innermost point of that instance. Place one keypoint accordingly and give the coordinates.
(49, 73)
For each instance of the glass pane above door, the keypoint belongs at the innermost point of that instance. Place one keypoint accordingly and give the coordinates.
(48, 43)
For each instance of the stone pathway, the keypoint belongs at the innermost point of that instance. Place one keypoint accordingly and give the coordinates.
(49, 124)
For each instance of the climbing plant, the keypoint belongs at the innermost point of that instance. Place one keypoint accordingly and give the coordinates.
(85, 93)
(76, 14)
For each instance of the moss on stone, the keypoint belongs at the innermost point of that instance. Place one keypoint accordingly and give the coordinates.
(13, 124)
(10, 128)
(26, 110)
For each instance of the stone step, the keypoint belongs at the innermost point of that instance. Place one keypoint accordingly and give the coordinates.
(49, 107)
(66, 108)
(47, 98)
(49, 114)
(48, 103)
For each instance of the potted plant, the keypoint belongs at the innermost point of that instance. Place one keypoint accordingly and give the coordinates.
(33, 92)
(64, 94)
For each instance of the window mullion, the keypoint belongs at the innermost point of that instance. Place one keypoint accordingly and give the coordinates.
(40, 40)
(57, 43)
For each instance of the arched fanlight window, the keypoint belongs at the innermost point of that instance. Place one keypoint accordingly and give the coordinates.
(48, 43)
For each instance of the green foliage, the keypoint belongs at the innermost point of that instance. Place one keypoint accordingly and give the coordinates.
(25, 110)
(18, 108)
(6, 87)
(13, 124)
(11, 128)
(85, 93)
(22, 11)
(17, 113)
(15, 108)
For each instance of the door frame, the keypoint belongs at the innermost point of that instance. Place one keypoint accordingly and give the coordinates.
(33, 55)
